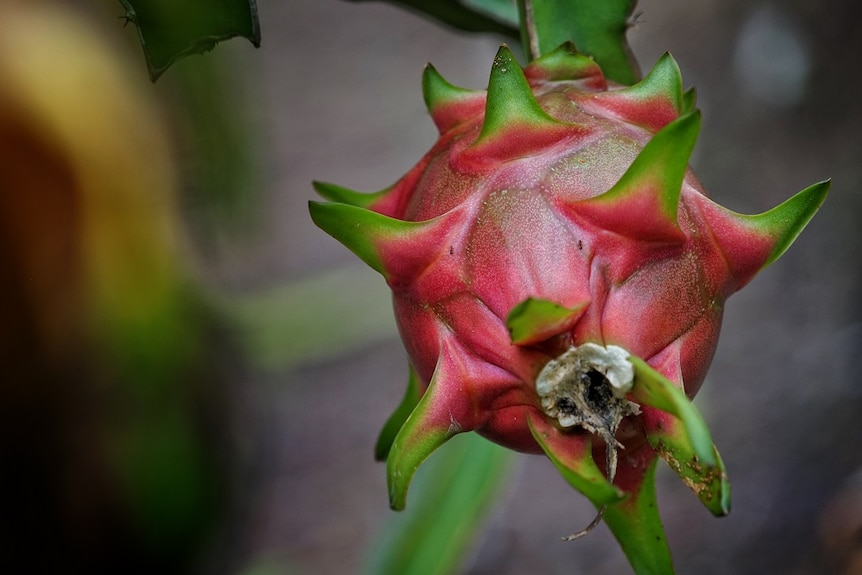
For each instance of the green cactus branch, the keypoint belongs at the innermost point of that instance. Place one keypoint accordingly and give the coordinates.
(598, 29)
(170, 30)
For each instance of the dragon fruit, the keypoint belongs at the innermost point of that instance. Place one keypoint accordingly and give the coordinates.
(558, 277)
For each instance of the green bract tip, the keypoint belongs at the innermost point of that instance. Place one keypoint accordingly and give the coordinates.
(408, 245)
(564, 63)
(680, 436)
(643, 204)
(396, 421)
(448, 105)
(357, 228)
(510, 99)
(751, 242)
(535, 320)
(574, 461)
(431, 424)
(340, 194)
(786, 221)
(689, 101)
(654, 101)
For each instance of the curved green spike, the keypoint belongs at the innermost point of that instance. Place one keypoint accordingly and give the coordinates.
(708, 482)
(429, 426)
(664, 80)
(410, 245)
(396, 421)
(572, 455)
(654, 101)
(689, 101)
(643, 203)
(535, 320)
(635, 521)
(786, 221)
(336, 193)
(510, 99)
(564, 63)
(515, 125)
(358, 229)
(751, 242)
(653, 389)
(680, 436)
(448, 105)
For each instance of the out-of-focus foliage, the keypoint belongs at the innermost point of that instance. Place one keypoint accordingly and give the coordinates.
(505, 11)
(452, 496)
(220, 192)
(304, 321)
(468, 15)
(104, 441)
(170, 30)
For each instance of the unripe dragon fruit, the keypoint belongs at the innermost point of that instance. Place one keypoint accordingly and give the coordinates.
(558, 277)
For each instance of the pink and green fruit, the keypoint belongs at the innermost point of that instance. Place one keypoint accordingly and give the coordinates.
(558, 277)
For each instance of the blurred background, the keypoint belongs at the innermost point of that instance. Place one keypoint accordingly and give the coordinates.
(193, 375)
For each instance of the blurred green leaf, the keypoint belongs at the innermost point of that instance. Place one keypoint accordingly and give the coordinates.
(597, 27)
(314, 318)
(221, 190)
(164, 467)
(505, 11)
(453, 492)
(467, 15)
(172, 29)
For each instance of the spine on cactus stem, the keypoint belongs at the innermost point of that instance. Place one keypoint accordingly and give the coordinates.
(558, 279)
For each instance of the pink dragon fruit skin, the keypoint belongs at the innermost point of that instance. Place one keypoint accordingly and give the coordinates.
(557, 210)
